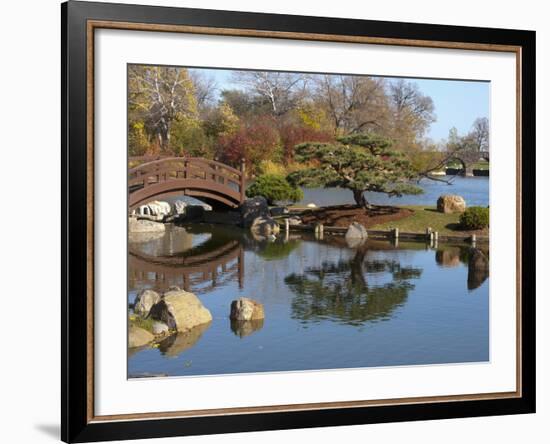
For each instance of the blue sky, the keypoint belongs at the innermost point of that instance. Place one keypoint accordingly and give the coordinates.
(457, 102)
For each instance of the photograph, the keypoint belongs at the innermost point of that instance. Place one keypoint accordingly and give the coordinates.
(283, 221)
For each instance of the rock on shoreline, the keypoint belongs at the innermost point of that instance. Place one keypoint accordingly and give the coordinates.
(180, 311)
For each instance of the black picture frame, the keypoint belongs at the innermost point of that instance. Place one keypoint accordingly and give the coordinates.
(76, 423)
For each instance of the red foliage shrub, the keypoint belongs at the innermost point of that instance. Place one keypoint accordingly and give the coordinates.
(253, 142)
(292, 135)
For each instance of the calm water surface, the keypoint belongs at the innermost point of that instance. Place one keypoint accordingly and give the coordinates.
(475, 191)
(326, 305)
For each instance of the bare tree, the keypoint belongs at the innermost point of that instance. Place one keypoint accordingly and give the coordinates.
(160, 95)
(413, 111)
(205, 87)
(353, 103)
(281, 90)
(480, 134)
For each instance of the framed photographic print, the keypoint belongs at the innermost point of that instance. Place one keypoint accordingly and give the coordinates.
(276, 221)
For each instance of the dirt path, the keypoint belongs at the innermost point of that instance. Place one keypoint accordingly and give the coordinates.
(343, 215)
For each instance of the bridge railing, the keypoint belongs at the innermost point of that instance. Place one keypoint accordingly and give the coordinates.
(171, 168)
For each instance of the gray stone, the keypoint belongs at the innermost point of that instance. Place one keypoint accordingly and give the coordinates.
(356, 235)
(451, 203)
(138, 337)
(253, 208)
(145, 300)
(356, 231)
(180, 310)
(245, 309)
(160, 328)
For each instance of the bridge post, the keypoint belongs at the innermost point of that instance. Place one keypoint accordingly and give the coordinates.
(243, 180)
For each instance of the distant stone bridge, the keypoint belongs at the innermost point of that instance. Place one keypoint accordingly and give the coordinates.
(469, 158)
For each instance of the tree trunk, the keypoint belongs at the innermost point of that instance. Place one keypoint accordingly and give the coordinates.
(360, 199)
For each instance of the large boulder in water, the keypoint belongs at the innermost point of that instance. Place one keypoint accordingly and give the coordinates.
(451, 203)
(253, 208)
(145, 300)
(245, 309)
(180, 310)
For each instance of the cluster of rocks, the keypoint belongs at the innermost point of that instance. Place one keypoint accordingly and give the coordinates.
(174, 311)
(160, 211)
(181, 313)
(254, 214)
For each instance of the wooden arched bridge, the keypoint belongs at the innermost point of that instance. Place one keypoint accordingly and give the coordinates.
(208, 180)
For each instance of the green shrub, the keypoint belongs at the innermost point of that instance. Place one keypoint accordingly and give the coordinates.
(475, 218)
(275, 188)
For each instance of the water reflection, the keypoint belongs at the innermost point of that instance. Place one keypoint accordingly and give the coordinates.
(318, 295)
(176, 344)
(246, 328)
(339, 291)
(476, 259)
(192, 258)
(202, 257)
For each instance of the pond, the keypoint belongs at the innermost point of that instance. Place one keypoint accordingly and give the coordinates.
(475, 190)
(326, 305)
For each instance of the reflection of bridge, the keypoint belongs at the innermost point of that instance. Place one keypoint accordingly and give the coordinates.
(217, 266)
(469, 158)
(204, 179)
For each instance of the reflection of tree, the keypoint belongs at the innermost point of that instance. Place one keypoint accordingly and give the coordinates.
(340, 291)
(277, 250)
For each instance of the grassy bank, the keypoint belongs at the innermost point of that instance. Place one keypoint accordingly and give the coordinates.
(425, 216)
